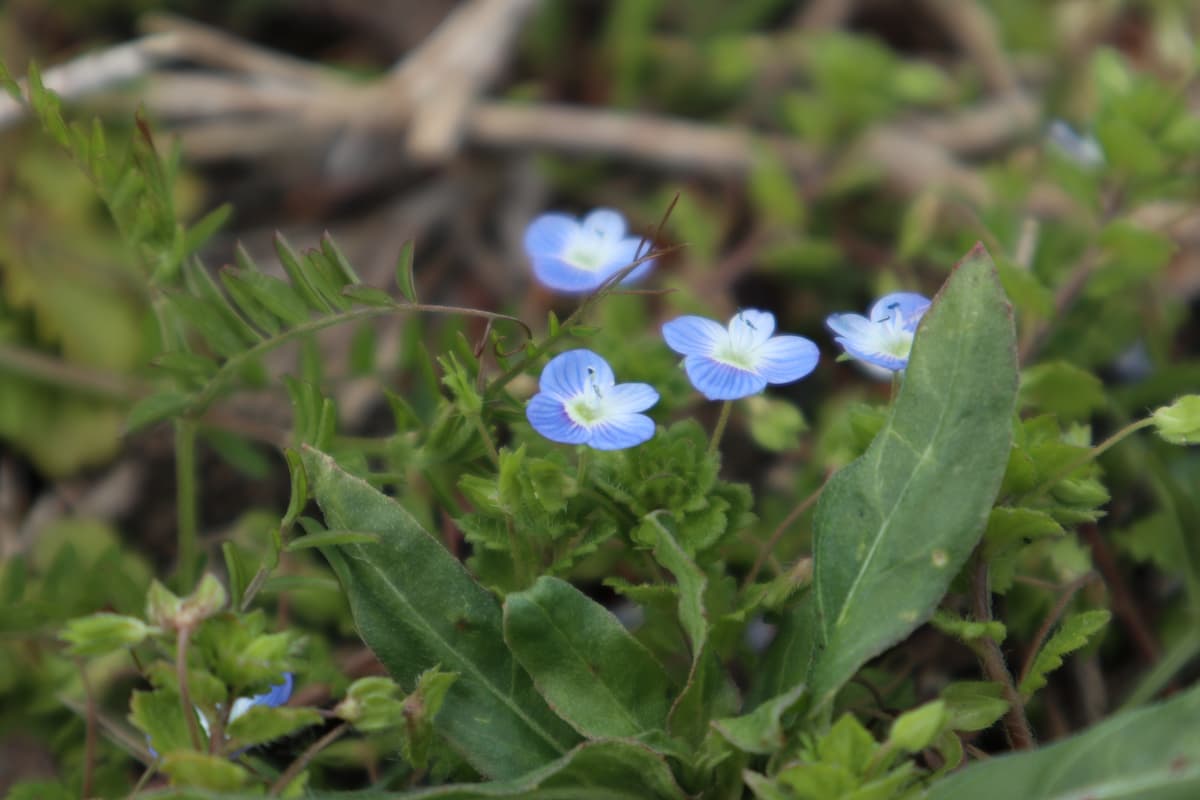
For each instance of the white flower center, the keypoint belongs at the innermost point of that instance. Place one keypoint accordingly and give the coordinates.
(588, 250)
(587, 408)
(726, 353)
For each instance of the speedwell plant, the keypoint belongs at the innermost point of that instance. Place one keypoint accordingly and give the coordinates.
(563, 593)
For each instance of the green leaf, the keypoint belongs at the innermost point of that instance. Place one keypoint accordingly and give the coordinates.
(889, 538)
(584, 662)
(915, 730)
(968, 630)
(337, 259)
(404, 272)
(1063, 389)
(1012, 527)
(102, 633)
(1075, 632)
(1149, 754)
(974, 705)
(204, 771)
(159, 715)
(273, 294)
(156, 408)
(368, 295)
(602, 770)
(761, 731)
(209, 224)
(264, 724)
(417, 607)
(330, 539)
(298, 274)
(419, 710)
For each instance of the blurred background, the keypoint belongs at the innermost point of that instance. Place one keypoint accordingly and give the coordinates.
(821, 153)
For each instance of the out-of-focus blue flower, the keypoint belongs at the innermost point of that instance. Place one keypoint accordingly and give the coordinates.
(580, 402)
(1084, 150)
(738, 361)
(883, 338)
(571, 255)
(274, 697)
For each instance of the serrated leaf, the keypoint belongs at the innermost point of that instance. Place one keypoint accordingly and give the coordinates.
(264, 724)
(1152, 753)
(156, 408)
(204, 771)
(1063, 389)
(584, 662)
(889, 538)
(1009, 527)
(417, 608)
(331, 538)
(1075, 632)
(405, 280)
(761, 731)
(159, 715)
(968, 630)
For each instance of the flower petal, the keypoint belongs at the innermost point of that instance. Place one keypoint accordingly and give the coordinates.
(852, 326)
(627, 251)
(783, 359)
(555, 273)
(629, 398)
(548, 235)
(605, 223)
(549, 417)
(750, 328)
(718, 381)
(619, 432)
(571, 373)
(909, 305)
(693, 336)
(866, 352)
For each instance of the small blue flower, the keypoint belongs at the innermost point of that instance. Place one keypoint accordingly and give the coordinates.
(274, 697)
(883, 338)
(580, 402)
(725, 364)
(570, 255)
(1084, 150)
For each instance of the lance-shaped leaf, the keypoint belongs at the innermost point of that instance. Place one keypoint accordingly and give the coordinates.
(417, 608)
(1149, 754)
(895, 526)
(591, 670)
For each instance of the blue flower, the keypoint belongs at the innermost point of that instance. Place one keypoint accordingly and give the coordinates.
(570, 255)
(1084, 150)
(580, 402)
(883, 338)
(274, 697)
(725, 364)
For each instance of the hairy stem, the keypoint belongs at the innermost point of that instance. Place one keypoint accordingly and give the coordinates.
(182, 639)
(719, 430)
(1016, 724)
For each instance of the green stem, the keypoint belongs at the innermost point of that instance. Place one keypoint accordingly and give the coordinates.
(297, 766)
(182, 639)
(186, 494)
(1084, 458)
(581, 466)
(492, 452)
(719, 430)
